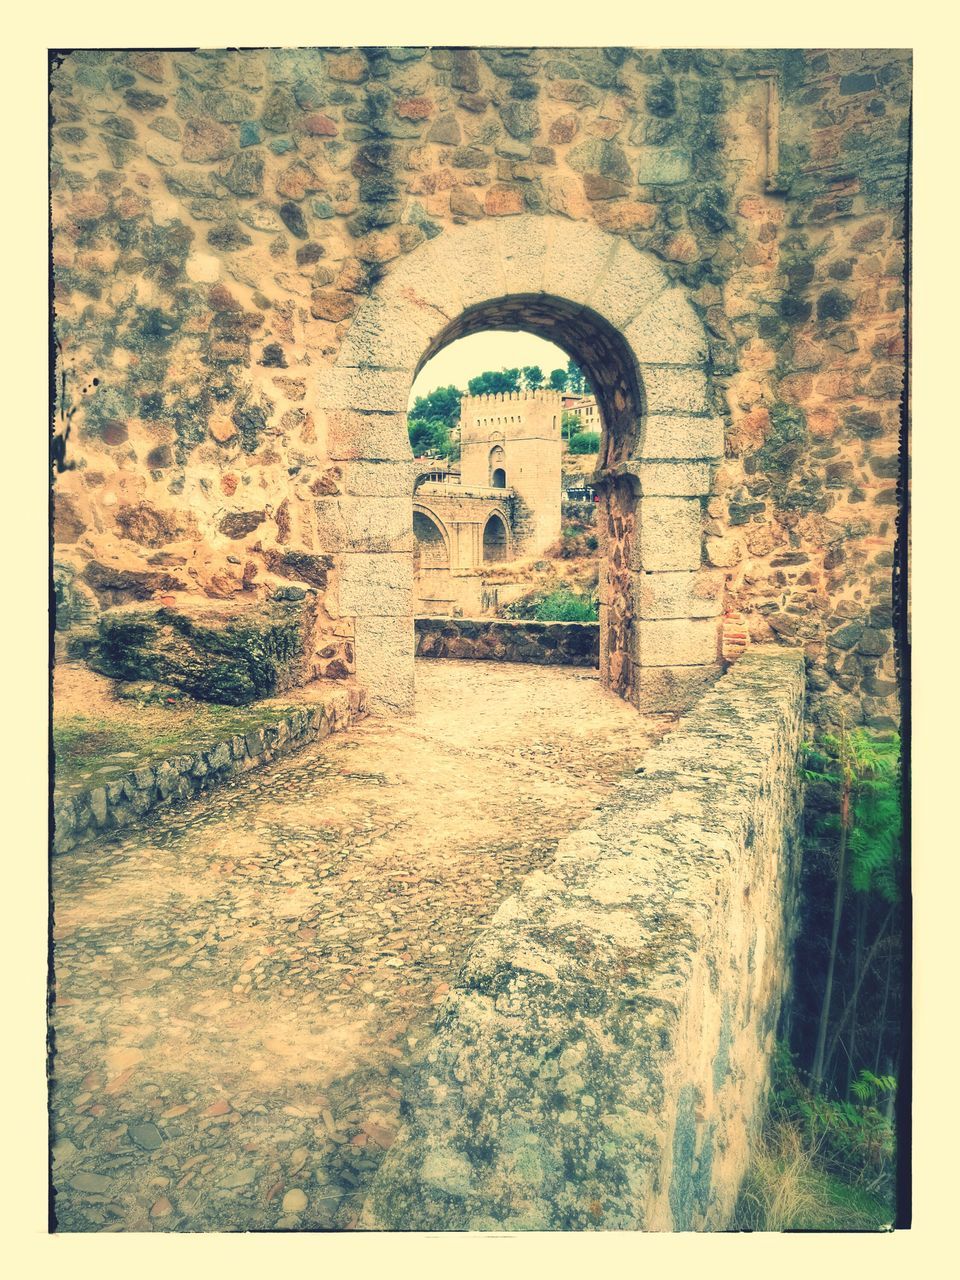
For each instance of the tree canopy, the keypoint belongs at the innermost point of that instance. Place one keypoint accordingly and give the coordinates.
(493, 383)
(440, 405)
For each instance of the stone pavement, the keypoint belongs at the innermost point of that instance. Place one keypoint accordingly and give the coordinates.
(242, 984)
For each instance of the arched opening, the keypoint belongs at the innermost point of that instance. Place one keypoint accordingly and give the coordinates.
(498, 472)
(587, 339)
(494, 540)
(430, 549)
(644, 352)
(559, 559)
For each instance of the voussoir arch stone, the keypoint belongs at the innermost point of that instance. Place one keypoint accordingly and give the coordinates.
(425, 292)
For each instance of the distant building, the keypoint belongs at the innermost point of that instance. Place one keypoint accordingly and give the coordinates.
(512, 441)
(585, 409)
(502, 503)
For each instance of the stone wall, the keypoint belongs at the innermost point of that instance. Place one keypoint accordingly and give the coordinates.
(571, 644)
(603, 1057)
(254, 250)
(81, 813)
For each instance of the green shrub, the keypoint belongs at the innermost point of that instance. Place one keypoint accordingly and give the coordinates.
(585, 442)
(564, 605)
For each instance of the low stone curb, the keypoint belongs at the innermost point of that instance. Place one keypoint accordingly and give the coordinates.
(124, 801)
(570, 644)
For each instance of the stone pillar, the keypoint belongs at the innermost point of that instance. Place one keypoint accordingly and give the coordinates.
(367, 525)
(677, 600)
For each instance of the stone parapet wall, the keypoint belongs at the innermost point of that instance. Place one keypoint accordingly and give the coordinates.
(80, 814)
(572, 644)
(603, 1058)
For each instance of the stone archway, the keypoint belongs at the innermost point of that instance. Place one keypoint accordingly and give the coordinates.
(431, 539)
(495, 541)
(645, 352)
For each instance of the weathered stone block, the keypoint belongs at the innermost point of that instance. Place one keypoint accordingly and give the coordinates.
(630, 282)
(666, 436)
(577, 257)
(523, 252)
(663, 166)
(374, 585)
(668, 331)
(668, 534)
(690, 594)
(473, 269)
(378, 479)
(673, 389)
(381, 436)
(662, 689)
(384, 657)
(377, 524)
(390, 335)
(678, 642)
(366, 389)
(419, 281)
(672, 479)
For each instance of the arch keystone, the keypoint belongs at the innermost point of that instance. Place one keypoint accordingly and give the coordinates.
(523, 252)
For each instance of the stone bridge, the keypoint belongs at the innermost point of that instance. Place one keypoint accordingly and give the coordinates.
(458, 529)
(571, 990)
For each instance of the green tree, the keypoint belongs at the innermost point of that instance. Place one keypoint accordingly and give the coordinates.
(558, 380)
(585, 442)
(441, 405)
(532, 377)
(494, 382)
(576, 379)
(428, 439)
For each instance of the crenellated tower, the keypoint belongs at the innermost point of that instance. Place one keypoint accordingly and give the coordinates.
(512, 440)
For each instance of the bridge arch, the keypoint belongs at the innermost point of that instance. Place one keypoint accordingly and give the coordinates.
(431, 536)
(645, 352)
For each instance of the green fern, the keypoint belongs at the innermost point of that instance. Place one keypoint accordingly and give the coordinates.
(868, 1087)
(871, 765)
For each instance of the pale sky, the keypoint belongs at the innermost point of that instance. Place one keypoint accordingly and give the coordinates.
(492, 349)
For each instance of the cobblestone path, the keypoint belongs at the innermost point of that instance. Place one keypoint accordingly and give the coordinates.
(241, 985)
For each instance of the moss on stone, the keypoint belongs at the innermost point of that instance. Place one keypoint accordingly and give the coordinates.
(234, 663)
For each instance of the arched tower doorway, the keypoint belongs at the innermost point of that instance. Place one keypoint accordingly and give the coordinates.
(495, 542)
(644, 350)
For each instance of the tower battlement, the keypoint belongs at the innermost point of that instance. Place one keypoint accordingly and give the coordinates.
(477, 404)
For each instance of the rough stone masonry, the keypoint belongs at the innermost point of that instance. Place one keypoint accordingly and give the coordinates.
(254, 251)
(603, 1059)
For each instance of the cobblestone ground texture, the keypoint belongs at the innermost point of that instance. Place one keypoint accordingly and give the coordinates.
(241, 985)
